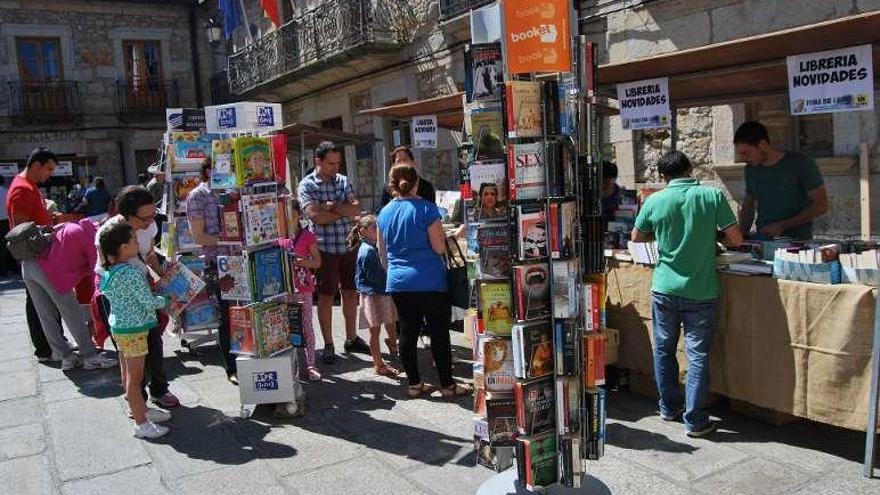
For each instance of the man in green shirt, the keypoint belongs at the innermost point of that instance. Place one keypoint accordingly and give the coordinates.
(684, 219)
(787, 186)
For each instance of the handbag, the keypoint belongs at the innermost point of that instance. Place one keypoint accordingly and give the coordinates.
(28, 240)
(456, 275)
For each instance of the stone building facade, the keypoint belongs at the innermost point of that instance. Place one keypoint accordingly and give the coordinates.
(91, 80)
(629, 30)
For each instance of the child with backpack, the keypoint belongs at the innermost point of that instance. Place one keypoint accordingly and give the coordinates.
(132, 316)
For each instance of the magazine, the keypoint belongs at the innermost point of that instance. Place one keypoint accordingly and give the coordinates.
(253, 160)
(179, 284)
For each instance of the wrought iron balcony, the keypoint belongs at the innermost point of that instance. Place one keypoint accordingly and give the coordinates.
(145, 99)
(333, 28)
(450, 9)
(44, 101)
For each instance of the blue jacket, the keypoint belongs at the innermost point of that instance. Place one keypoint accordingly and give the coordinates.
(370, 275)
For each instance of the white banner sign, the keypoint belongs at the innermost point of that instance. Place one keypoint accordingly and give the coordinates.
(243, 116)
(833, 81)
(644, 104)
(8, 170)
(424, 131)
(63, 169)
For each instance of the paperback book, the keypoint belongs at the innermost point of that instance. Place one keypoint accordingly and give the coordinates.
(486, 71)
(222, 164)
(484, 123)
(532, 232)
(568, 410)
(489, 186)
(568, 347)
(593, 436)
(523, 100)
(180, 285)
(497, 458)
(568, 93)
(242, 336)
(498, 365)
(535, 406)
(259, 218)
(565, 288)
(532, 349)
(253, 160)
(537, 460)
(494, 259)
(550, 91)
(237, 268)
(531, 291)
(563, 225)
(495, 307)
(501, 419)
(525, 171)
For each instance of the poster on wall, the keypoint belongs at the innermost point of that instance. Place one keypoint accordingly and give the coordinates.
(63, 169)
(644, 104)
(537, 36)
(8, 169)
(424, 131)
(831, 81)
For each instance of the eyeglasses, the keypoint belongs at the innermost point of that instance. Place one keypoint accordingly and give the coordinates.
(148, 219)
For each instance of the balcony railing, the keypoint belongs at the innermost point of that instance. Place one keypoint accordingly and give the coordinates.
(145, 99)
(450, 9)
(44, 101)
(332, 28)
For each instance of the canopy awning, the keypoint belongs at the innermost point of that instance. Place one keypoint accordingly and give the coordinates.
(449, 110)
(308, 136)
(746, 66)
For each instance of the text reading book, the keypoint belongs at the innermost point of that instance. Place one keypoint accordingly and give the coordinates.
(535, 406)
(181, 285)
(237, 268)
(495, 307)
(268, 273)
(525, 170)
(253, 160)
(537, 460)
(498, 365)
(493, 239)
(259, 217)
(486, 75)
(242, 337)
(501, 418)
(532, 232)
(523, 100)
(531, 291)
(532, 349)
(223, 164)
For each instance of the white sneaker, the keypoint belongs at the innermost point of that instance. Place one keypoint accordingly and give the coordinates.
(98, 361)
(70, 362)
(149, 430)
(154, 415)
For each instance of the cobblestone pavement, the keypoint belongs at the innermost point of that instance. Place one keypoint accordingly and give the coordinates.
(68, 433)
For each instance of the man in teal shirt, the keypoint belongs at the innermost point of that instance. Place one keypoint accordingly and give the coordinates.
(684, 219)
(787, 186)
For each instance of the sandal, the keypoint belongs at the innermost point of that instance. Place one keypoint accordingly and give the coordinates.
(386, 370)
(456, 390)
(414, 391)
(392, 346)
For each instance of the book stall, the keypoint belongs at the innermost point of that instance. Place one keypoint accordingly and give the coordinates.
(249, 167)
(531, 200)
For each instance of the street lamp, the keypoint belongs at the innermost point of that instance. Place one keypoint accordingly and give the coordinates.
(214, 31)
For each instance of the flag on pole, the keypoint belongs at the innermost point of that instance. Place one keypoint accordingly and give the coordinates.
(270, 7)
(231, 19)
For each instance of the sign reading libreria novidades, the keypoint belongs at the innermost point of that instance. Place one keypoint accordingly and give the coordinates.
(424, 128)
(832, 81)
(644, 104)
(537, 35)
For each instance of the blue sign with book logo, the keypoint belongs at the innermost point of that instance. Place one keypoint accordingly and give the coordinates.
(266, 381)
(265, 116)
(226, 118)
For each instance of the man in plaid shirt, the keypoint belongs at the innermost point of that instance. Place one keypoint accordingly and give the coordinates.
(329, 203)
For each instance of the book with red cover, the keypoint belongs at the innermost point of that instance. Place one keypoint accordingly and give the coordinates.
(242, 331)
(230, 220)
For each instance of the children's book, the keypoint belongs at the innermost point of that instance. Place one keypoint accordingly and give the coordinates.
(532, 228)
(532, 349)
(223, 164)
(495, 307)
(253, 160)
(181, 285)
(231, 229)
(259, 217)
(531, 291)
(525, 171)
(242, 337)
(274, 334)
(495, 260)
(188, 150)
(183, 237)
(498, 365)
(268, 273)
(524, 109)
(237, 268)
(202, 312)
(183, 185)
(535, 406)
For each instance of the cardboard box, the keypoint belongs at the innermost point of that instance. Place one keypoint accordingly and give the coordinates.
(267, 380)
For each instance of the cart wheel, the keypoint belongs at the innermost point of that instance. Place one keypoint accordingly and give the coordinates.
(245, 412)
(184, 343)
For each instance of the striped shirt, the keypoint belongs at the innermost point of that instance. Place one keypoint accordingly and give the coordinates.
(314, 190)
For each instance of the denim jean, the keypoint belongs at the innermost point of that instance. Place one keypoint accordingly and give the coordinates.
(700, 320)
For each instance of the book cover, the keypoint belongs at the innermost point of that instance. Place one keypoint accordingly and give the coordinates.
(486, 71)
(535, 406)
(259, 217)
(222, 164)
(531, 289)
(568, 93)
(539, 460)
(501, 419)
(495, 307)
(183, 240)
(568, 408)
(489, 186)
(494, 243)
(237, 268)
(492, 457)
(498, 365)
(241, 331)
(182, 185)
(202, 312)
(567, 347)
(231, 229)
(524, 109)
(195, 263)
(271, 323)
(563, 225)
(253, 160)
(485, 121)
(565, 286)
(181, 285)
(590, 297)
(188, 150)
(532, 232)
(550, 94)
(525, 171)
(295, 324)
(268, 273)
(533, 349)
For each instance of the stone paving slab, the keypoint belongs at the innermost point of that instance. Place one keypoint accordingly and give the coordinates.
(365, 476)
(28, 475)
(251, 478)
(22, 441)
(138, 481)
(18, 385)
(13, 365)
(20, 412)
(754, 476)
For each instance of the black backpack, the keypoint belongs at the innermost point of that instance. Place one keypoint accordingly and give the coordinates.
(28, 240)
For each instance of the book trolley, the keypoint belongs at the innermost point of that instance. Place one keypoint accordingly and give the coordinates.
(532, 194)
(265, 315)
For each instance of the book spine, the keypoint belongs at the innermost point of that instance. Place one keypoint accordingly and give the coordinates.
(520, 405)
(511, 114)
(590, 360)
(600, 358)
(554, 230)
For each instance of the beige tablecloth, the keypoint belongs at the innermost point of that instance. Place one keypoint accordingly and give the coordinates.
(793, 347)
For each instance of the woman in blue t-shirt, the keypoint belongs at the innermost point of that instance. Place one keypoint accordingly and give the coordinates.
(411, 245)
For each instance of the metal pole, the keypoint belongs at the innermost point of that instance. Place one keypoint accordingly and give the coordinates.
(873, 396)
(247, 24)
(302, 155)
